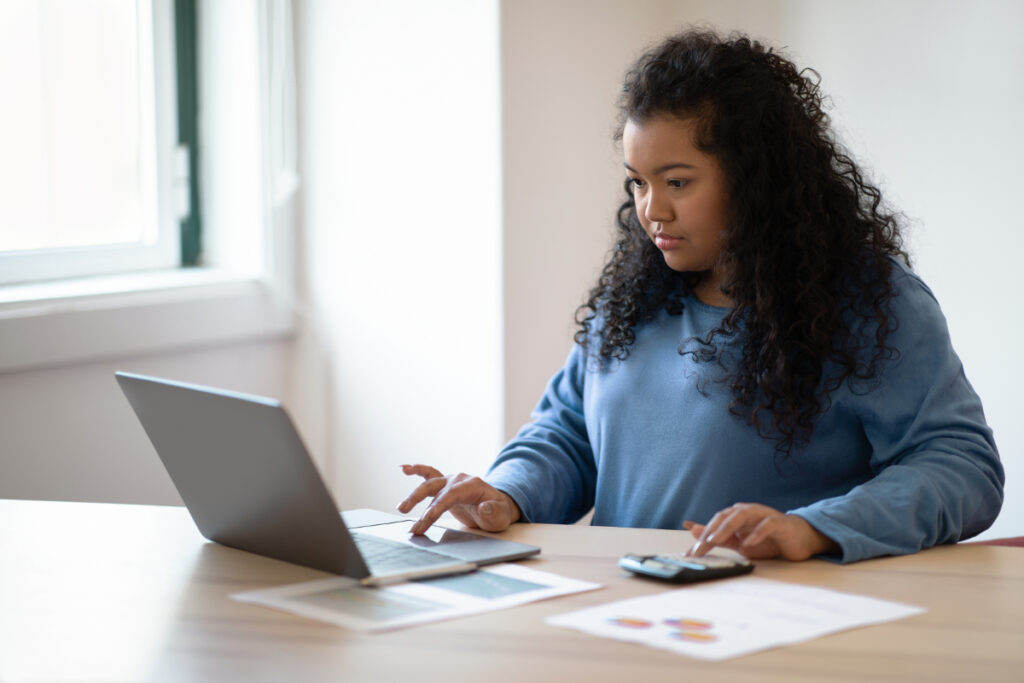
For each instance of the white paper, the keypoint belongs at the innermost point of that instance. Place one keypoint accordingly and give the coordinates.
(345, 602)
(732, 617)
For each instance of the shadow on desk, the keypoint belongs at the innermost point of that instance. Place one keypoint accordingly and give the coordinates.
(212, 637)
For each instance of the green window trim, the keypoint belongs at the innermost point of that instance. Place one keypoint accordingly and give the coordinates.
(188, 128)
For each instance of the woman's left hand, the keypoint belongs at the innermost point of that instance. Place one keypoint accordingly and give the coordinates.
(760, 532)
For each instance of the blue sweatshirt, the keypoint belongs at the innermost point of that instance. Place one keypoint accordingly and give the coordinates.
(894, 465)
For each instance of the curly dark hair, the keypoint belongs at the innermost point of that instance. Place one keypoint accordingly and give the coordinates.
(807, 246)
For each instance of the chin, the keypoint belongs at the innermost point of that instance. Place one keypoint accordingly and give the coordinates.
(681, 266)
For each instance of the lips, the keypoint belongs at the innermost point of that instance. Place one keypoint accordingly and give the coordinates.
(663, 241)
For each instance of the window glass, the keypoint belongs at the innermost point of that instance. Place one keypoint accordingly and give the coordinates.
(78, 177)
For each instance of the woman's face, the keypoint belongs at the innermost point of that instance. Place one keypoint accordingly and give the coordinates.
(679, 192)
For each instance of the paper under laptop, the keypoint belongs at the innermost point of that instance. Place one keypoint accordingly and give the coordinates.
(249, 483)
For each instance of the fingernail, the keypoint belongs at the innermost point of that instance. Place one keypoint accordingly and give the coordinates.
(487, 509)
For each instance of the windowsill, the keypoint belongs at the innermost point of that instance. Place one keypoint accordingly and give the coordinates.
(36, 295)
(58, 323)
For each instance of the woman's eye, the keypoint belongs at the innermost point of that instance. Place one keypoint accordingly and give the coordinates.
(636, 183)
(677, 183)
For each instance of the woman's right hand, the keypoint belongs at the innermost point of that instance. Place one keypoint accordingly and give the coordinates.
(470, 499)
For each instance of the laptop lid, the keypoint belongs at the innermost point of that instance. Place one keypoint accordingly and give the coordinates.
(249, 483)
(243, 473)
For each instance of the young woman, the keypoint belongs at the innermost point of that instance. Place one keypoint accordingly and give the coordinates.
(756, 363)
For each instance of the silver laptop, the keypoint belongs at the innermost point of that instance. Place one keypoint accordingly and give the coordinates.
(249, 483)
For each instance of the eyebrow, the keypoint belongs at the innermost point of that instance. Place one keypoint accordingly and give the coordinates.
(662, 169)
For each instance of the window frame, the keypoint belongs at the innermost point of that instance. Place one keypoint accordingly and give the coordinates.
(185, 40)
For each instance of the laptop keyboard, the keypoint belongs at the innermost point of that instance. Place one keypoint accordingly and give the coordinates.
(385, 556)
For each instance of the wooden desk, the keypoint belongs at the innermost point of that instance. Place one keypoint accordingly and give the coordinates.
(125, 592)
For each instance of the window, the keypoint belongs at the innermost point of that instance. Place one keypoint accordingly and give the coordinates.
(92, 180)
(244, 287)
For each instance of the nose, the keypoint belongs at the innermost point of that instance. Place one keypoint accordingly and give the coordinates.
(657, 207)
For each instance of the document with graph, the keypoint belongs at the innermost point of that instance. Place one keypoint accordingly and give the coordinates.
(732, 617)
(345, 602)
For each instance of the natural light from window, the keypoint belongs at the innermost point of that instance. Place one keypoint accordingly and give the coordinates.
(78, 130)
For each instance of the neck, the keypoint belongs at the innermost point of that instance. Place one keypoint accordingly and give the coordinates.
(709, 291)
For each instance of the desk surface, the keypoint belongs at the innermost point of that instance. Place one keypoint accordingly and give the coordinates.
(126, 592)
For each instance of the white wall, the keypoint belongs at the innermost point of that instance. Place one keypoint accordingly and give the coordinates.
(69, 434)
(399, 155)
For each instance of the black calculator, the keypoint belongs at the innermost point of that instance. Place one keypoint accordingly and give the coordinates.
(682, 568)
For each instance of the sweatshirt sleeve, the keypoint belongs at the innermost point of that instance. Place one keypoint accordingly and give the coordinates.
(937, 476)
(548, 468)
